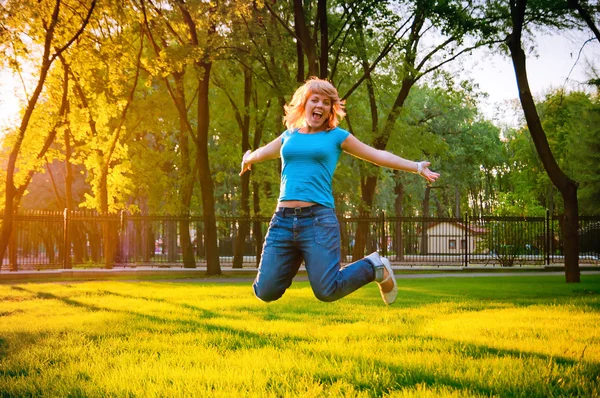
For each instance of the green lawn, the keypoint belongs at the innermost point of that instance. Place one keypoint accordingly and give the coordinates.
(504, 336)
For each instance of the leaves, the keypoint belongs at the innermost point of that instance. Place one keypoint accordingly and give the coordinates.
(154, 153)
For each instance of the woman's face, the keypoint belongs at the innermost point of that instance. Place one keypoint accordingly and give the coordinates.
(316, 111)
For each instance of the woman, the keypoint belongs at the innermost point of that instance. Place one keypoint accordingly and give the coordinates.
(304, 226)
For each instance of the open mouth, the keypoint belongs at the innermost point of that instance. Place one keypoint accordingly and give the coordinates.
(317, 115)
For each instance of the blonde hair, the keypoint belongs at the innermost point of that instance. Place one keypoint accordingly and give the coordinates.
(294, 112)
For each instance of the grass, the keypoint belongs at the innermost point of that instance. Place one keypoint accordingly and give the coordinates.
(513, 336)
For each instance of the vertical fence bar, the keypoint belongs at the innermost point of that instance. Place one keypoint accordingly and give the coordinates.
(12, 246)
(552, 242)
(121, 237)
(466, 239)
(258, 241)
(547, 232)
(383, 237)
(67, 245)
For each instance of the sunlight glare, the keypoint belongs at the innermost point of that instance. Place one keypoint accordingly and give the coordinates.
(10, 101)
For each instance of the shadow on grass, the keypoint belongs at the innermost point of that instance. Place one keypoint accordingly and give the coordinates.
(50, 296)
(299, 309)
(235, 339)
(411, 377)
(443, 296)
(480, 351)
(471, 295)
(203, 313)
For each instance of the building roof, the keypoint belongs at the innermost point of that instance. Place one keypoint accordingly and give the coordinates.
(475, 230)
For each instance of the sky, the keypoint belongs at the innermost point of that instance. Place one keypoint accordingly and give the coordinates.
(554, 65)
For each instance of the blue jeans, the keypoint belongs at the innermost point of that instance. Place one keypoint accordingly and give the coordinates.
(311, 234)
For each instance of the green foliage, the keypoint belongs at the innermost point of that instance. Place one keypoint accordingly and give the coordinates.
(154, 156)
(518, 204)
(571, 124)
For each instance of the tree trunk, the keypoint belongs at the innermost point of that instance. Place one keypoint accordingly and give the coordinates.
(244, 226)
(107, 235)
(47, 60)
(257, 227)
(398, 207)
(71, 233)
(457, 202)
(566, 186)
(362, 229)
(213, 266)
(10, 189)
(586, 16)
(550, 199)
(369, 186)
(187, 174)
(425, 225)
(303, 37)
(109, 228)
(300, 61)
(203, 68)
(324, 28)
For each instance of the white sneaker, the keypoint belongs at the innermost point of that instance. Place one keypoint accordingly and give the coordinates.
(390, 296)
(380, 263)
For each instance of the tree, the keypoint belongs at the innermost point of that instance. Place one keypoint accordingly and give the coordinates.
(105, 71)
(572, 124)
(570, 121)
(566, 186)
(160, 37)
(203, 65)
(454, 22)
(246, 114)
(586, 12)
(51, 27)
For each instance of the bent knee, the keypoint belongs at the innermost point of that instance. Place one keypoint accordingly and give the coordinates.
(327, 296)
(267, 295)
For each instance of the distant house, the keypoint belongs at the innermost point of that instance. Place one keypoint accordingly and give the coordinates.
(448, 237)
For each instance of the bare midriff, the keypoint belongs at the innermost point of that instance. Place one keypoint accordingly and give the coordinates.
(295, 203)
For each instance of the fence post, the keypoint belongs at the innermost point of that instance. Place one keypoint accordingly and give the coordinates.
(547, 232)
(120, 240)
(466, 239)
(13, 260)
(257, 229)
(383, 237)
(67, 247)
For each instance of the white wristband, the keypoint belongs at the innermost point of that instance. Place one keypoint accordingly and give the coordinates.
(419, 167)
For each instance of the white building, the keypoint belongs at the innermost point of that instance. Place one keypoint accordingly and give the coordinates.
(449, 238)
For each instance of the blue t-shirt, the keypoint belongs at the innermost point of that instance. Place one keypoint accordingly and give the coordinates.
(308, 164)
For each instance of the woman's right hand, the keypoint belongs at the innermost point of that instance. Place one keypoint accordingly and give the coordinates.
(245, 165)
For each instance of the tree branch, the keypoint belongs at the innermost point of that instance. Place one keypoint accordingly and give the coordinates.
(281, 21)
(386, 49)
(456, 56)
(77, 34)
(129, 100)
(585, 15)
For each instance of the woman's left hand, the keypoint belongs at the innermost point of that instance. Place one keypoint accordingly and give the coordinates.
(245, 165)
(423, 170)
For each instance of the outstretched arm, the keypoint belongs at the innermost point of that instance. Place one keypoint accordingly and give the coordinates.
(269, 151)
(355, 147)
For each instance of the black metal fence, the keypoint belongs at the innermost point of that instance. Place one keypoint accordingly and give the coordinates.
(55, 240)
